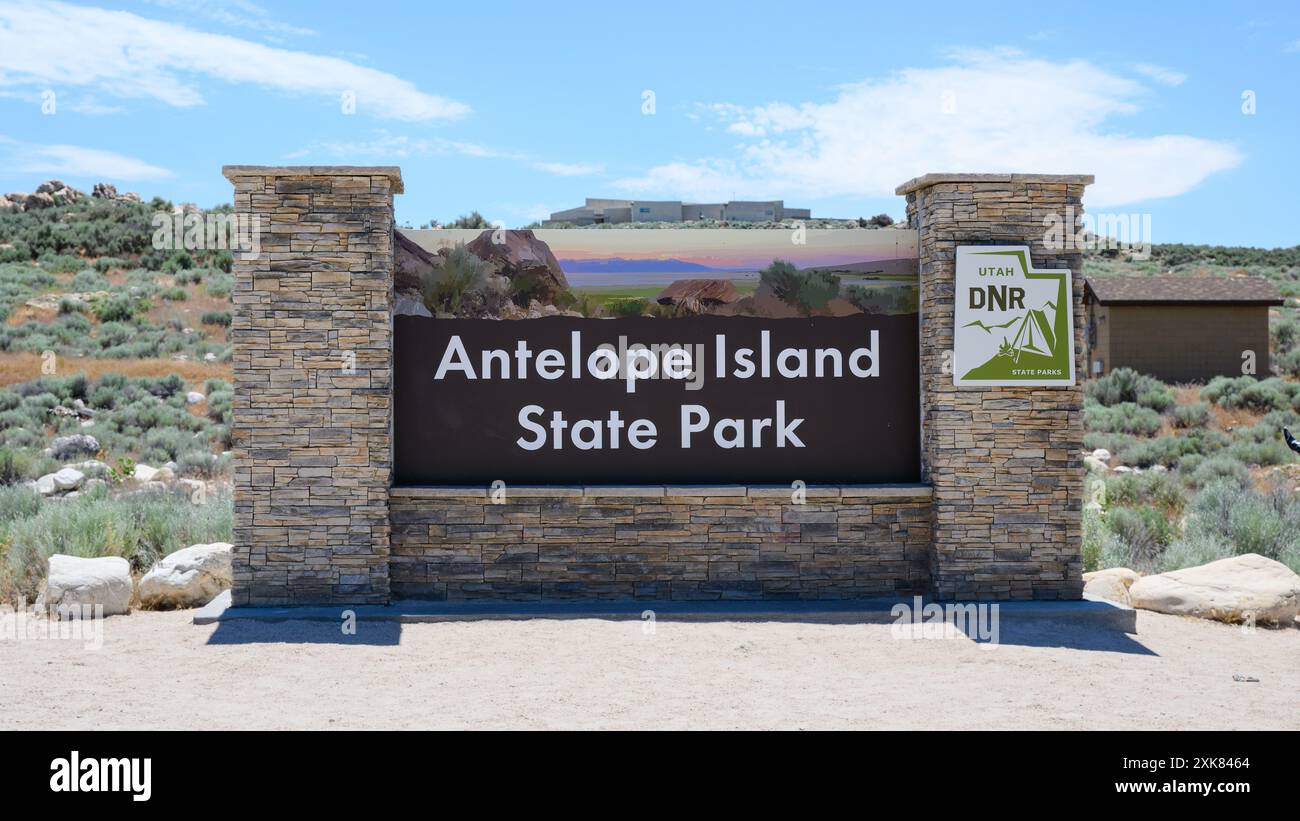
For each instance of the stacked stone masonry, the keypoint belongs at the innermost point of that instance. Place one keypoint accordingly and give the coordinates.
(651, 542)
(1005, 463)
(312, 331)
(316, 518)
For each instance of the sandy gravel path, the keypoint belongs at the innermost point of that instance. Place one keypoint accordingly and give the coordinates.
(158, 670)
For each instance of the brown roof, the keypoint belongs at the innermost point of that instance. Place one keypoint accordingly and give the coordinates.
(1221, 290)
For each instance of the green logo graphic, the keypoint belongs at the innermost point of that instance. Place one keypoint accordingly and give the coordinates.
(1014, 324)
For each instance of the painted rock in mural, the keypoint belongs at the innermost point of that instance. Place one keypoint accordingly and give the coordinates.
(521, 257)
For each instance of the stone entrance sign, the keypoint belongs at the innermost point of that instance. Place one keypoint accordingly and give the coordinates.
(322, 516)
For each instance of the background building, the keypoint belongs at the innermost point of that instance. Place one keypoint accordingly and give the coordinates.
(1178, 329)
(598, 211)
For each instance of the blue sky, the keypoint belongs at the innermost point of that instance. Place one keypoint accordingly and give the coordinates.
(517, 110)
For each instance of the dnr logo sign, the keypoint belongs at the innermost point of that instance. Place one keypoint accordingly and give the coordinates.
(1014, 325)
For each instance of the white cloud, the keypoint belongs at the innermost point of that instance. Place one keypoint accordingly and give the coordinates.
(236, 14)
(119, 53)
(569, 169)
(75, 161)
(1160, 74)
(400, 146)
(991, 111)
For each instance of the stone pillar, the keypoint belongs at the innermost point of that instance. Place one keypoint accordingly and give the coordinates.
(1004, 463)
(313, 364)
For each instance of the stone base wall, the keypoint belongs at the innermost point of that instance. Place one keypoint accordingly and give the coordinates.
(652, 542)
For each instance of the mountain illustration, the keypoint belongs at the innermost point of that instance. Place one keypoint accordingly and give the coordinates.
(979, 323)
(642, 266)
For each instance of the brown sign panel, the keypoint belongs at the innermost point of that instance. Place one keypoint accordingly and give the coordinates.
(705, 399)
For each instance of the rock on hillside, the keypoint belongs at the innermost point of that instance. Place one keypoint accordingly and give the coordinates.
(56, 192)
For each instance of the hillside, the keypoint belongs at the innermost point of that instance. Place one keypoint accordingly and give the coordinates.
(114, 384)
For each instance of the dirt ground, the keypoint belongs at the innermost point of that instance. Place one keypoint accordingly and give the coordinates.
(158, 670)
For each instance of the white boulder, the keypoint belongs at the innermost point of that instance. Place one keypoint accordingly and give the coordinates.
(1231, 590)
(1093, 463)
(73, 581)
(190, 577)
(1101, 454)
(69, 479)
(143, 473)
(194, 398)
(45, 485)
(1111, 584)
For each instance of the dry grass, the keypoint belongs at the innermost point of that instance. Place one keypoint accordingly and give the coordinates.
(22, 314)
(21, 367)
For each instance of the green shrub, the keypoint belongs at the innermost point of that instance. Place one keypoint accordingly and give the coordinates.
(118, 308)
(1252, 394)
(89, 281)
(13, 467)
(472, 220)
(61, 263)
(1094, 538)
(1289, 362)
(221, 318)
(806, 290)
(1144, 532)
(105, 264)
(178, 261)
(1127, 385)
(1261, 444)
(627, 307)
(1169, 450)
(444, 288)
(1163, 490)
(1246, 521)
(1125, 417)
(1113, 442)
(220, 285)
(174, 294)
(1195, 415)
(1206, 471)
(141, 528)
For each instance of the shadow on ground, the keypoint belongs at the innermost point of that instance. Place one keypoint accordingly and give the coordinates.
(247, 631)
(1058, 634)
(387, 633)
